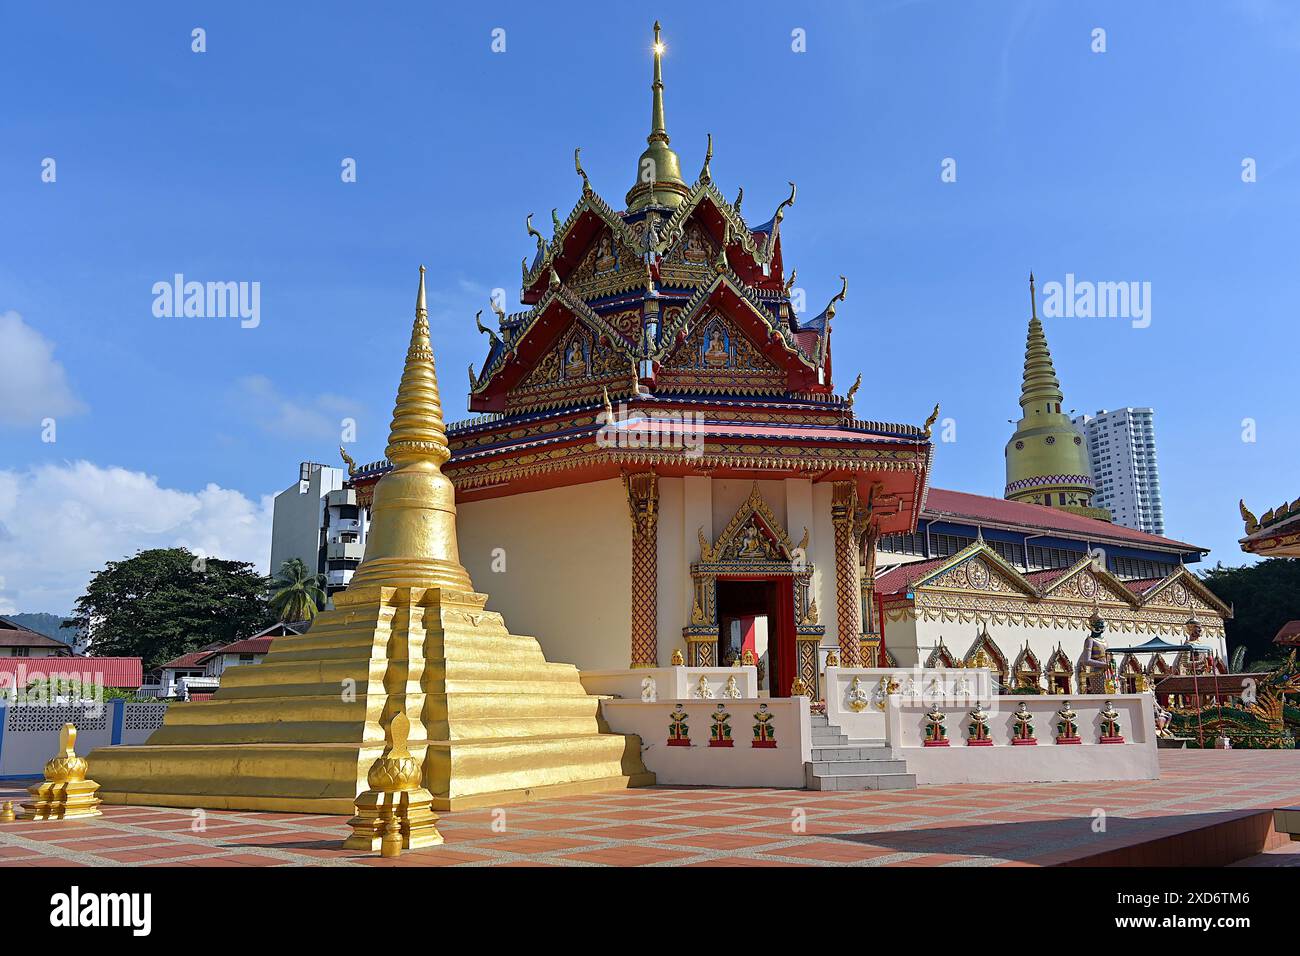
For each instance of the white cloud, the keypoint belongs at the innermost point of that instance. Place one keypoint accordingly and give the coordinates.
(33, 385)
(318, 418)
(61, 523)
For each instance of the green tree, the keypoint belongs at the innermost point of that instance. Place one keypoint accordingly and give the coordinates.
(297, 593)
(165, 602)
(1263, 596)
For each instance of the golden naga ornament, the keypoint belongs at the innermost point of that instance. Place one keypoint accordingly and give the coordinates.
(394, 814)
(65, 793)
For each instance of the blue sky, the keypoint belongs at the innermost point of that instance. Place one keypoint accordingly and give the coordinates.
(225, 165)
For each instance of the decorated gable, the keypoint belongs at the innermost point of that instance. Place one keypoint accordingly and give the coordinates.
(753, 534)
(978, 572)
(1085, 584)
(609, 265)
(574, 367)
(718, 356)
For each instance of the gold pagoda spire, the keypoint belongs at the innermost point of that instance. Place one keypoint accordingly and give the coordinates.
(658, 171)
(1040, 386)
(1046, 461)
(412, 538)
(417, 432)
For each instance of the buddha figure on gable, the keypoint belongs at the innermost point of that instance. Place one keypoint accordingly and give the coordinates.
(716, 355)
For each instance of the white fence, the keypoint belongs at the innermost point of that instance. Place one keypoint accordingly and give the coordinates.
(29, 733)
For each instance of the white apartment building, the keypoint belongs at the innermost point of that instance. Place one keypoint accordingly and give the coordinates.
(318, 520)
(1122, 447)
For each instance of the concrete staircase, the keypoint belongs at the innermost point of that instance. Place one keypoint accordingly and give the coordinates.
(839, 763)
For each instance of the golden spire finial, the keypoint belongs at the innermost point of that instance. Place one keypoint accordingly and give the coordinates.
(658, 174)
(1033, 299)
(705, 174)
(417, 432)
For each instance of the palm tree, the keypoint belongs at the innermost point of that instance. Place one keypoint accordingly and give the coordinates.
(299, 593)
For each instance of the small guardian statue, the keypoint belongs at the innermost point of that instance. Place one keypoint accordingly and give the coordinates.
(858, 697)
(977, 732)
(720, 731)
(732, 689)
(764, 732)
(935, 733)
(1110, 725)
(679, 734)
(1067, 725)
(1023, 729)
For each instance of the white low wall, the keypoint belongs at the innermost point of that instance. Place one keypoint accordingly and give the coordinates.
(670, 683)
(955, 686)
(29, 734)
(742, 764)
(1047, 761)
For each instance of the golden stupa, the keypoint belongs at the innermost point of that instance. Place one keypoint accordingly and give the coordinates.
(491, 720)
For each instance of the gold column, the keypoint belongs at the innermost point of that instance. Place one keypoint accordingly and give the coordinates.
(848, 584)
(643, 501)
(491, 720)
(871, 630)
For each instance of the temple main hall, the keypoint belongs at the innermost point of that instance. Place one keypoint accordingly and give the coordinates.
(661, 464)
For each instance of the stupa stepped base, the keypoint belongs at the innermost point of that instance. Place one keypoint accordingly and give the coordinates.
(323, 778)
(493, 721)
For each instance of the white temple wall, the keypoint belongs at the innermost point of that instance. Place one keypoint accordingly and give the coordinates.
(568, 568)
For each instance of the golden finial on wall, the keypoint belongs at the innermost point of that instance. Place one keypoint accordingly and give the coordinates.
(65, 793)
(395, 813)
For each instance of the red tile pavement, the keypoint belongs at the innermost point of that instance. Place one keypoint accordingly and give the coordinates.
(1206, 807)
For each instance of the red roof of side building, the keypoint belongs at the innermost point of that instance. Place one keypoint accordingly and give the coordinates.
(942, 503)
(900, 579)
(192, 659)
(1288, 634)
(250, 645)
(125, 673)
(15, 635)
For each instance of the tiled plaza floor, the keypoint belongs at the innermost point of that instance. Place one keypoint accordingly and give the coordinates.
(970, 825)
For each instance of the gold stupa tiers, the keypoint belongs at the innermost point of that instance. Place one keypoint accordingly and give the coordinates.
(491, 721)
(65, 793)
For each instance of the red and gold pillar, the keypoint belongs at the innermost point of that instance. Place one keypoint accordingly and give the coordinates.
(848, 581)
(643, 500)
